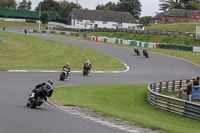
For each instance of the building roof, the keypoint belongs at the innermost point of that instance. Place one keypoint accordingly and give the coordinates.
(181, 12)
(159, 16)
(100, 15)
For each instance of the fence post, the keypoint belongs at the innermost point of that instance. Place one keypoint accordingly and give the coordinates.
(173, 85)
(167, 83)
(180, 84)
(154, 87)
(160, 87)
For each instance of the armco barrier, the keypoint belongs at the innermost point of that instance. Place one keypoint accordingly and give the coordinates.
(174, 105)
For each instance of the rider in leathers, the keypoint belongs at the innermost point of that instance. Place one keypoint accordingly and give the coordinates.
(46, 86)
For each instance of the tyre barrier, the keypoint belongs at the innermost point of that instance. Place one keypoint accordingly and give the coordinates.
(146, 44)
(170, 104)
(59, 32)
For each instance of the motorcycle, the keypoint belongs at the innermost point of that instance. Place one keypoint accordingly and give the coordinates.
(64, 74)
(85, 72)
(146, 54)
(137, 51)
(38, 100)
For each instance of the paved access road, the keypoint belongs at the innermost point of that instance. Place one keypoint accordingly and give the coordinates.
(15, 117)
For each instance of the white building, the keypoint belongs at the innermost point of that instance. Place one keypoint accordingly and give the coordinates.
(89, 19)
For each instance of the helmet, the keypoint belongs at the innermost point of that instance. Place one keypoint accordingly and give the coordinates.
(67, 64)
(50, 81)
(88, 61)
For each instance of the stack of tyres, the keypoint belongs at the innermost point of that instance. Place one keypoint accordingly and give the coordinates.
(133, 43)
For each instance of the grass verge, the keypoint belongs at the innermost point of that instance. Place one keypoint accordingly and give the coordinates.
(176, 27)
(25, 52)
(127, 102)
(17, 24)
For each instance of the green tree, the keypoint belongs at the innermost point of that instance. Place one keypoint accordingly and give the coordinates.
(66, 8)
(192, 5)
(110, 6)
(49, 6)
(166, 5)
(45, 18)
(145, 20)
(131, 6)
(8, 4)
(24, 5)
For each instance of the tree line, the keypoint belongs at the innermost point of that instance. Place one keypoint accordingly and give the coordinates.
(64, 8)
(167, 5)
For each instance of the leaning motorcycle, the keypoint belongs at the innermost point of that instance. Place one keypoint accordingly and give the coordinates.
(146, 54)
(64, 74)
(137, 52)
(38, 100)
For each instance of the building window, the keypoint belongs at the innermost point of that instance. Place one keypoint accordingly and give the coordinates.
(180, 20)
(157, 22)
(119, 22)
(193, 20)
(79, 20)
(104, 22)
(171, 20)
(92, 21)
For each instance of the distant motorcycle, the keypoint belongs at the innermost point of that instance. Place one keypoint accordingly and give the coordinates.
(146, 54)
(38, 100)
(64, 74)
(137, 51)
(85, 72)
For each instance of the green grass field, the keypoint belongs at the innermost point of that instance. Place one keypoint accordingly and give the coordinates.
(25, 52)
(176, 27)
(17, 24)
(127, 102)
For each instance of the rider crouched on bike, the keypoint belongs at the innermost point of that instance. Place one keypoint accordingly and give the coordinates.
(144, 51)
(46, 86)
(67, 66)
(87, 65)
(136, 50)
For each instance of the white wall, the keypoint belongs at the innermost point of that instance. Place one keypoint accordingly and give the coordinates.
(87, 24)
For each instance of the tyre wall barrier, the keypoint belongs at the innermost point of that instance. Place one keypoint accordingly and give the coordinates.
(61, 32)
(174, 105)
(153, 45)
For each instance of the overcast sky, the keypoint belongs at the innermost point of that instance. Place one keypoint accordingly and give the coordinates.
(149, 7)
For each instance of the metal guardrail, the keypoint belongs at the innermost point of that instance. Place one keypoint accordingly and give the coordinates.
(174, 105)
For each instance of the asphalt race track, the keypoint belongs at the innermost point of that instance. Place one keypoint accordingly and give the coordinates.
(15, 117)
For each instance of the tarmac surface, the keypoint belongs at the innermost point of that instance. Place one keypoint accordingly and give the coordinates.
(15, 117)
